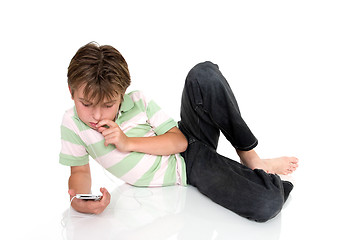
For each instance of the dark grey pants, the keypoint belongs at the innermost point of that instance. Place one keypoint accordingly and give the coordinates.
(208, 106)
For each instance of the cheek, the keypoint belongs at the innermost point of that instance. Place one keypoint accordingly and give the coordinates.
(111, 112)
(82, 112)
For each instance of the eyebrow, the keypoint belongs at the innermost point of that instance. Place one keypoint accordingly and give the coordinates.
(108, 102)
(111, 101)
(85, 100)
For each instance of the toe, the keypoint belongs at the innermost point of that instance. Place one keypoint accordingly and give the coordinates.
(294, 160)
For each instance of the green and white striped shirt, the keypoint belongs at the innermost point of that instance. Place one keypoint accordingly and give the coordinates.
(138, 117)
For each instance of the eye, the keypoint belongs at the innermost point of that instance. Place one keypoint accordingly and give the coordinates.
(109, 106)
(85, 104)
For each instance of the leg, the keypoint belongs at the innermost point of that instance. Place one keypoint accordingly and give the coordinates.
(253, 194)
(208, 105)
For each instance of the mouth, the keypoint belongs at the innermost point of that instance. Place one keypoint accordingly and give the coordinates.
(93, 125)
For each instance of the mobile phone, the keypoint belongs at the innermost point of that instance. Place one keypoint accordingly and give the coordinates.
(88, 197)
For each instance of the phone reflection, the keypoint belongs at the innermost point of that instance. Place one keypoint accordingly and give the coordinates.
(164, 213)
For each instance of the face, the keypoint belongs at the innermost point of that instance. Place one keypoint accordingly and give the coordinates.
(90, 113)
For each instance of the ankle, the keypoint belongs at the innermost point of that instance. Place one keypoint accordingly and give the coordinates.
(249, 158)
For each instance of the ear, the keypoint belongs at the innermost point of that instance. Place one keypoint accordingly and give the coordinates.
(72, 97)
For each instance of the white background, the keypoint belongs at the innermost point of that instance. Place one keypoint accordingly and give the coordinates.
(293, 65)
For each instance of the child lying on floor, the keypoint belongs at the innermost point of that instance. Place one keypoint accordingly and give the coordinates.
(131, 137)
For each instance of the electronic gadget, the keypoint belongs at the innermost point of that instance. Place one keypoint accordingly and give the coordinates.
(88, 197)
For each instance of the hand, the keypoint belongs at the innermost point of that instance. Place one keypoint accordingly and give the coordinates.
(89, 206)
(113, 135)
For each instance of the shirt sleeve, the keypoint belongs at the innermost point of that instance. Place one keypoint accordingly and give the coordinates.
(158, 119)
(73, 149)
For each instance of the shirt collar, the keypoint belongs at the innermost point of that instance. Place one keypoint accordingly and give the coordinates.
(75, 113)
(126, 104)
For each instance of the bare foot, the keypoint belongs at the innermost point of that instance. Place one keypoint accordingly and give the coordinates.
(281, 165)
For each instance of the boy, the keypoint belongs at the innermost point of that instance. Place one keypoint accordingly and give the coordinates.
(135, 140)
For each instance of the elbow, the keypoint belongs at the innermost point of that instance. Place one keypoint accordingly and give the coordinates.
(179, 141)
(183, 144)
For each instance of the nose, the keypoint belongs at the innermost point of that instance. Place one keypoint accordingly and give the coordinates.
(97, 113)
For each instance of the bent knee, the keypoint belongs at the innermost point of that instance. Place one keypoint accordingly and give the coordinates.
(206, 75)
(204, 69)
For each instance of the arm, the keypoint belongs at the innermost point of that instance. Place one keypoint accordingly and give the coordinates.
(171, 142)
(80, 182)
(80, 179)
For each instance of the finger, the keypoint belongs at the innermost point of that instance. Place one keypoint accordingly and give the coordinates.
(104, 191)
(101, 129)
(106, 195)
(112, 138)
(93, 206)
(104, 122)
(108, 131)
(71, 192)
(98, 207)
(104, 129)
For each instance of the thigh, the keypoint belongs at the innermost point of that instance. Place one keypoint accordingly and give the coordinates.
(208, 106)
(194, 120)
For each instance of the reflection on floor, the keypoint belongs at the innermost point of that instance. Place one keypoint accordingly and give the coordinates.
(164, 213)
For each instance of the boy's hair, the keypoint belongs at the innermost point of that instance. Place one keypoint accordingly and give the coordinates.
(102, 69)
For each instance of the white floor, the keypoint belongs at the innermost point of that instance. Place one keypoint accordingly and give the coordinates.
(165, 213)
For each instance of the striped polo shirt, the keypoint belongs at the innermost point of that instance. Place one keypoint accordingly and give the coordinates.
(138, 117)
